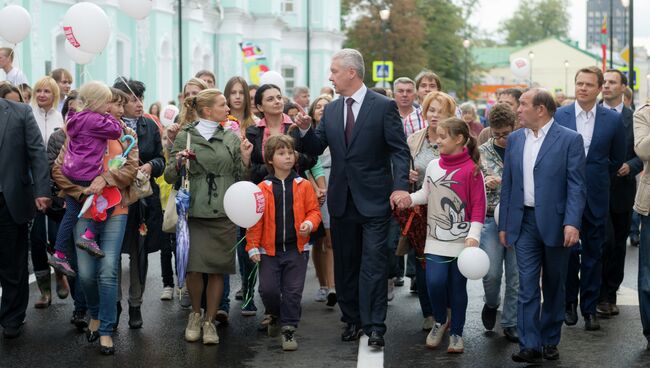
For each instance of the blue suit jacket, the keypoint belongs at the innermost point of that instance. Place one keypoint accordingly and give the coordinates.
(606, 155)
(559, 185)
(364, 166)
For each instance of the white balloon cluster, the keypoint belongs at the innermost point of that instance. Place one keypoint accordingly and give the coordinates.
(87, 27)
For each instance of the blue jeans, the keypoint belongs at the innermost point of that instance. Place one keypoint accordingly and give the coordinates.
(644, 276)
(499, 255)
(421, 283)
(447, 287)
(99, 275)
(636, 222)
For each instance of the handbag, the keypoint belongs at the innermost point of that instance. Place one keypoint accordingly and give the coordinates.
(142, 185)
(170, 217)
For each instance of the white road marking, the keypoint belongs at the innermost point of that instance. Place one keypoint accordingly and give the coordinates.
(369, 357)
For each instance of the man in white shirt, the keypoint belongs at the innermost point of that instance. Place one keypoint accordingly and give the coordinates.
(13, 75)
(542, 200)
(604, 146)
(623, 190)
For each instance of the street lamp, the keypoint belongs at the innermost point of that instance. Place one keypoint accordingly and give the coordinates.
(531, 56)
(566, 73)
(466, 44)
(384, 15)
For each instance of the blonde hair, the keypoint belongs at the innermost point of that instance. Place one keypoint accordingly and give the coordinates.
(94, 96)
(183, 117)
(49, 83)
(193, 106)
(447, 102)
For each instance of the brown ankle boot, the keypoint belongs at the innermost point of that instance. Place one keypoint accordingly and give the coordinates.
(44, 281)
(62, 286)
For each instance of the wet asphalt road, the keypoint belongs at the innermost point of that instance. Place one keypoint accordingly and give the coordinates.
(49, 340)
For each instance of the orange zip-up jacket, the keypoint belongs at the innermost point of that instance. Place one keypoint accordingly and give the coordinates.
(260, 239)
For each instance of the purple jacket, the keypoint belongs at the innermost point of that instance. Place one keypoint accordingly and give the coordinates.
(88, 133)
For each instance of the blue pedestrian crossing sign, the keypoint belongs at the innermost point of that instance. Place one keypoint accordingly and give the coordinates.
(382, 71)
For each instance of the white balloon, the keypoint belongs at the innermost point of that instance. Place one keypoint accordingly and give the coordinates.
(273, 77)
(244, 204)
(138, 9)
(496, 214)
(15, 23)
(168, 115)
(520, 67)
(473, 263)
(87, 27)
(78, 56)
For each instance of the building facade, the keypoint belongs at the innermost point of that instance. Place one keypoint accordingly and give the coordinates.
(212, 30)
(596, 12)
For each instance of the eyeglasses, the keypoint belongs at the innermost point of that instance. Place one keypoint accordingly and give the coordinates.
(501, 136)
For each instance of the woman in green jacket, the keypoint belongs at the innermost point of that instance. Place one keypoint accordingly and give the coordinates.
(218, 159)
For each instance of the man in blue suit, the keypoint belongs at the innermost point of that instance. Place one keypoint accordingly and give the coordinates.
(604, 146)
(370, 165)
(542, 200)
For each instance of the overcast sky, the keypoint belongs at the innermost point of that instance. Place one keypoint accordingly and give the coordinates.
(490, 13)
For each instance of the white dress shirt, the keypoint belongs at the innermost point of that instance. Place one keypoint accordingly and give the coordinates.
(358, 97)
(618, 108)
(531, 150)
(585, 121)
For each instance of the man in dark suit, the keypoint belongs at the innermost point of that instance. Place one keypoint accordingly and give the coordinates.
(542, 200)
(24, 162)
(623, 190)
(604, 145)
(365, 135)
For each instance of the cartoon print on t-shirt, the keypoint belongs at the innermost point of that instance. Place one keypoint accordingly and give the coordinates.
(452, 225)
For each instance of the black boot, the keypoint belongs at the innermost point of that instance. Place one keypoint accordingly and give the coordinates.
(135, 317)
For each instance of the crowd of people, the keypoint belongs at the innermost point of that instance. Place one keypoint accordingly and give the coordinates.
(375, 184)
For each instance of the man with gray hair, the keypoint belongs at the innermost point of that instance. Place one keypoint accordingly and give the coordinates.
(370, 166)
(301, 98)
(404, 89)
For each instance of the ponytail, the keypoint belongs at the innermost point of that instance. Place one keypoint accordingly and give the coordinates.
(472, 149)
(188, 113)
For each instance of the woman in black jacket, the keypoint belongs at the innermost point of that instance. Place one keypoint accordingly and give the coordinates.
(269, 101)
(143, 233)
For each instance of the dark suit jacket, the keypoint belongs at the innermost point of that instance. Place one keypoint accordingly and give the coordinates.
(23, 160)
(606, 155)
(560, 193)
(364, 166)
(624, 187)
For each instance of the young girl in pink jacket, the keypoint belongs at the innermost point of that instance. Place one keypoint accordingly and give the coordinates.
(454, 191)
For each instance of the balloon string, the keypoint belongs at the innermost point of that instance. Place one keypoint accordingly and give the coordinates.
(238, 243)
(249, 292)
(86, 72)
(130, 90)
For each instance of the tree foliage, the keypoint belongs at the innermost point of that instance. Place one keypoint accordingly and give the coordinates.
(422, 34)
(536, 20)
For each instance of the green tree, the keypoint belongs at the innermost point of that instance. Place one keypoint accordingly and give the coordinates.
(536, 20)
(422, 34)
(401, 41)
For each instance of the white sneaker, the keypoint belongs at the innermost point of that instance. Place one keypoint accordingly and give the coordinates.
(167, 293)
(193, 329)
(210, 336)
(391, 290)
(435, 335)
(428, 323)
(321, 294)
(186, 302)
(455, 345)
(289, 342)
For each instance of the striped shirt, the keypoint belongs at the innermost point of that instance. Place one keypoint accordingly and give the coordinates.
(413, 122)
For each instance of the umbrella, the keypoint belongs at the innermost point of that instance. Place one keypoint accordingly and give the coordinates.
(119, 160)
(182, 234)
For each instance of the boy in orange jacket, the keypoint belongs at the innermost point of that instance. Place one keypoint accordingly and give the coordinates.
(278, 240)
